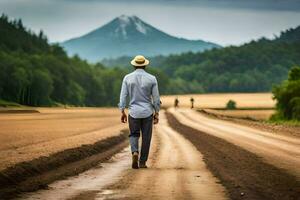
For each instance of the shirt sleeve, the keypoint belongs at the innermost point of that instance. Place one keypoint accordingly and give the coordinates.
(123, 95)
(155, 96)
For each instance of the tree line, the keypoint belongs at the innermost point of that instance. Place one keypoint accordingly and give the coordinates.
(34, 72)
(252, 67)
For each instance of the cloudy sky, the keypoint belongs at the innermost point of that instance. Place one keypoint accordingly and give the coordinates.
(225, 22)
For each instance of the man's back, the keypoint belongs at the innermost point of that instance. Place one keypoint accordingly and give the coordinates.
(144, 103)
(142, 89)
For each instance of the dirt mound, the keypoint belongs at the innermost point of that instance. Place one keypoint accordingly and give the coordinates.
(36, 174)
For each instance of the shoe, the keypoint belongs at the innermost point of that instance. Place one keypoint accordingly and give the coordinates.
(135, 158)
(143, 165)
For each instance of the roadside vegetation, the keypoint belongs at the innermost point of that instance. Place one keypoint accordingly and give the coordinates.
(287, 95)
(8, 104)
(231, 105)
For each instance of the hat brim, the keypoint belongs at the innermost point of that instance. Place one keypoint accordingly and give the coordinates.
(140, 64)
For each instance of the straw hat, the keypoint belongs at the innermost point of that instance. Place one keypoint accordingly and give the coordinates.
(139, 61)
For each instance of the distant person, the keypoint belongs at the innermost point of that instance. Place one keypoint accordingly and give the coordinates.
(176, 102)
(144, 104)
(192, 102)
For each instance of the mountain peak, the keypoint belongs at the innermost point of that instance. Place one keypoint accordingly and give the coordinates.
(129, 35)
(127, 18)
(127, 23)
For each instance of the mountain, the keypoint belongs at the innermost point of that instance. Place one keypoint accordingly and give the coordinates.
(128, 36)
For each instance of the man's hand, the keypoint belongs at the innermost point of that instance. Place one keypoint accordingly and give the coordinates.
(156, 118)
(123, 117)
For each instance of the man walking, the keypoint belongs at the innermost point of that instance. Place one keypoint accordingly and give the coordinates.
(176, 102)
(192, 102)
(144, 104)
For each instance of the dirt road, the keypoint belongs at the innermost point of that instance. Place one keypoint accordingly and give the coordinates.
(194, 157)
(279, 150)
(176, 171)
(244, 174)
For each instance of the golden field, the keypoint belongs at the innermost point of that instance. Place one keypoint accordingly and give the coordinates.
(31, 135)
(243, 100)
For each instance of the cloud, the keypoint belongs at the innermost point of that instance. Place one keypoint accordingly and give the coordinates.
(284, 5)
(221, 21)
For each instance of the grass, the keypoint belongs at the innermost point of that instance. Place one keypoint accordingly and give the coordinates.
(285, 122)
(278, 120)
(4, 103)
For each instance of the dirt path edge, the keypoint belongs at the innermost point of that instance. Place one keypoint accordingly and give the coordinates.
(38, 173)
(282, 129)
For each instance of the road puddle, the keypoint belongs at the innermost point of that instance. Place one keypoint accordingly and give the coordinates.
(90, 183)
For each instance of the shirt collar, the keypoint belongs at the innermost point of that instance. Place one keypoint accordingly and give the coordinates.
(140, 70)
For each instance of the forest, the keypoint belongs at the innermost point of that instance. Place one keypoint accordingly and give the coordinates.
(253, 67)
(36, 73)
(33, 72)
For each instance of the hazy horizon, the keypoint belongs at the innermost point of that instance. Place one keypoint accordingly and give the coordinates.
(224, 22)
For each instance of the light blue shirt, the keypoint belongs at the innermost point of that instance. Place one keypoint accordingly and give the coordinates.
(142, 89)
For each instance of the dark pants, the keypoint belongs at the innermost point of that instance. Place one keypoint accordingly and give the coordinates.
(137, 125)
